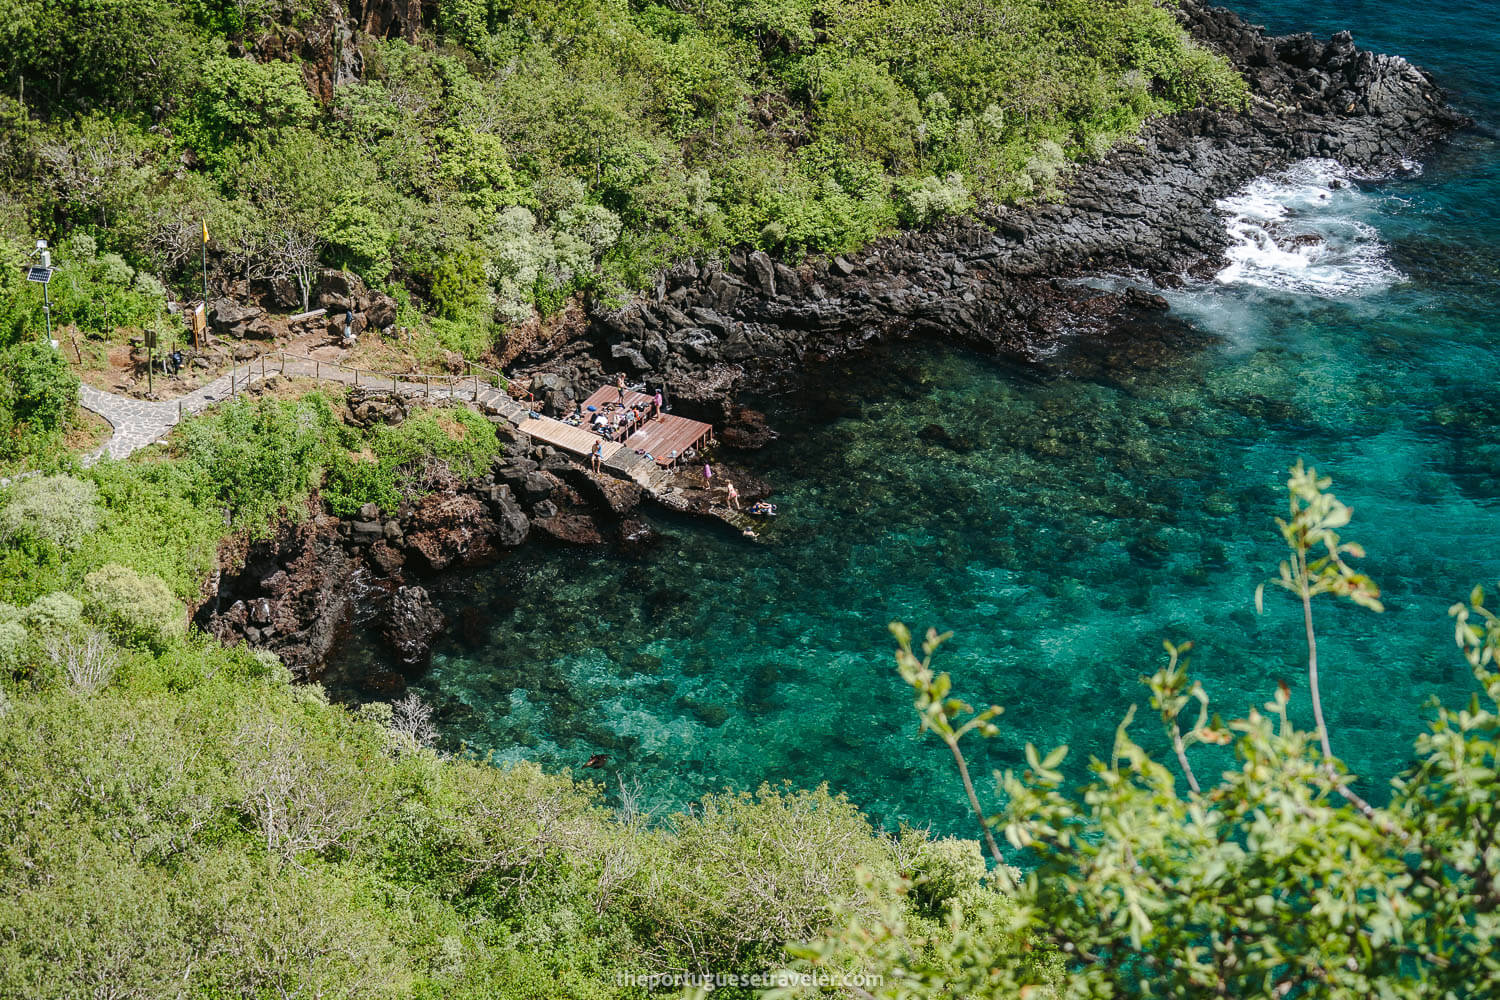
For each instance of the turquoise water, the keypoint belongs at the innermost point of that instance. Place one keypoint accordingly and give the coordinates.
(1070, 517)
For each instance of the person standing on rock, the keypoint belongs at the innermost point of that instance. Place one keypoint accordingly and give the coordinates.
(597, 455)
(733, 495)
(708, 475)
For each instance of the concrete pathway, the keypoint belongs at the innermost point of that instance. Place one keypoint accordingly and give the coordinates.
(138, 422)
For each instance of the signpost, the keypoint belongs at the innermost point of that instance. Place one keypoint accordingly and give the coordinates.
(200, 325)
(150, 360)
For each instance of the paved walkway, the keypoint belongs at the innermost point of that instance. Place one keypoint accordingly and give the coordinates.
(138, 422)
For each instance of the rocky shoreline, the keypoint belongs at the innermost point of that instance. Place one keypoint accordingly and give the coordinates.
(299, 592)
(1004, 282)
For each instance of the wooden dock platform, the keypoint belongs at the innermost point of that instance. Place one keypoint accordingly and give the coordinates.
(664, 437)
(652, 474)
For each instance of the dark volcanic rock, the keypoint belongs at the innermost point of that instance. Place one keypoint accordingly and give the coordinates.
(448, 530)
(410, 627)
(637, 537)
(296, 590)
(571, 529)
(233, 319)
(604, 492)
(746, 429)
(376, 406)
(511, 524)
(1146, 209)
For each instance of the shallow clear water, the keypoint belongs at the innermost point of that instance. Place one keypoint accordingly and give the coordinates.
(1066, 519)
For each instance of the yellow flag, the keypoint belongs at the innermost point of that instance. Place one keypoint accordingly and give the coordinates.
(205, 232)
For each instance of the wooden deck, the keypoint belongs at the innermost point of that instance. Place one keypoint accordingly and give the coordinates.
(560, 435)
(664, 437)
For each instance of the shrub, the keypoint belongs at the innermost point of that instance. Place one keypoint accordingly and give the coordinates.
(53, 613)
(58, 510)
(944, 872)
(12, 641)
(745, 873)
(930, 199)
(257, 458)
(43, 390)
(137, 608)
(88, 661)
(455, 439)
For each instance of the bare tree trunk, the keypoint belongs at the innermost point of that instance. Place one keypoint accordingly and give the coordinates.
(1312, 663)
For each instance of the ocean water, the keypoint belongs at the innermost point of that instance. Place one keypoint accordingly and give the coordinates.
(1062, 520)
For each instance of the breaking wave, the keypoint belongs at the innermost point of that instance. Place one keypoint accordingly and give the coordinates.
(1299, 231)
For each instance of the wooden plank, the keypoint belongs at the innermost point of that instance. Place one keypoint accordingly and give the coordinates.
(560, 435)
(610, 395)
(666, 437)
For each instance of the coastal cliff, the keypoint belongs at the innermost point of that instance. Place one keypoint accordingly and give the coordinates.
(1004, 281)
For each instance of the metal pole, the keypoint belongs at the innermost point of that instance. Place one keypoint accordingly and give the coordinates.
(428, 394)
(356, 376)
(205, 267)
(317, 369)
(47, 308)
(476, 387)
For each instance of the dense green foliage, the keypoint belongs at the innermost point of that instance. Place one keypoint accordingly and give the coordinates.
(176, 816)
(241, 468)
(518, 152)
(198, 823)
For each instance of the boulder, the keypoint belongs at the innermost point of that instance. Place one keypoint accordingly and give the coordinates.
(571, 529)
(381, 311)
(510, 522)
(229, 318)
(368, 407)
(637, 537)
(765, 272)
(450, 530)
(411, 625)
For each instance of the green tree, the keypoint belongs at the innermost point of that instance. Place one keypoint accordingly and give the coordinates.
(358, 239)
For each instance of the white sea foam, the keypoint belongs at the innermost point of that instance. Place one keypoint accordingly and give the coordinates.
(1300, 231)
